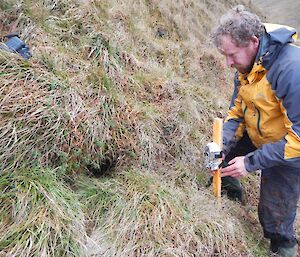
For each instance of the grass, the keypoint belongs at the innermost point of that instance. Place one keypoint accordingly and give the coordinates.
(39, 215)
(105, 94)
(142, 215)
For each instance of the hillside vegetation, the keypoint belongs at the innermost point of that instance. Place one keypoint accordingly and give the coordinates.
(102, 131)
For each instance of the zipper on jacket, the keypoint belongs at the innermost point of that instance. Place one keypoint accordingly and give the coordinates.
(258, 120)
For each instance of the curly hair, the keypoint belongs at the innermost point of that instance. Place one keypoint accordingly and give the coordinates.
(240, 24)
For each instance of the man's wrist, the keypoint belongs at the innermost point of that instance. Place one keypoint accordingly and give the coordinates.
(249, 162)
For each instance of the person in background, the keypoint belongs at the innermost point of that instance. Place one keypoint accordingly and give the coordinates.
(265, 108)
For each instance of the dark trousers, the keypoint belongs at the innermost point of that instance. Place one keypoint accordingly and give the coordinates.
(279, 195)
(231, 186)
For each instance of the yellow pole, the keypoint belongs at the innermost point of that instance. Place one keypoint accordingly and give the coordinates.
(218, 139)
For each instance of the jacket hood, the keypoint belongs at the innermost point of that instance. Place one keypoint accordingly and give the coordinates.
(273, 40)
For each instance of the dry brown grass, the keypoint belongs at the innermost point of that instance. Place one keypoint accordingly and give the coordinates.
(103, 86)
(150, 217)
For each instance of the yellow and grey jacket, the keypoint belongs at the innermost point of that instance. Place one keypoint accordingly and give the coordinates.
(266, 103)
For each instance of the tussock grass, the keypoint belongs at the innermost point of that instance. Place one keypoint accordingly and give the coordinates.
(147, 216)
(101, 85)
(46, 122)
(39, 216)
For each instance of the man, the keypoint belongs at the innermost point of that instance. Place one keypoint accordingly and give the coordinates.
(265, 106)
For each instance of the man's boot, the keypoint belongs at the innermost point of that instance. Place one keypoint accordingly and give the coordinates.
(287, 251)
(283, 251)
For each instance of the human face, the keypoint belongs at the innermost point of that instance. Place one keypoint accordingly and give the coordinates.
(239, 57)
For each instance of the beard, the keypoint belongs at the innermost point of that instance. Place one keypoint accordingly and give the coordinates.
(245, 69)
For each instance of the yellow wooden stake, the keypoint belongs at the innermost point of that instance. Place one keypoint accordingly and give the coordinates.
(218, 139)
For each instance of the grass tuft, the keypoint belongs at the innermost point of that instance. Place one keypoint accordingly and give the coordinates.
(141, 215)
(39, 216)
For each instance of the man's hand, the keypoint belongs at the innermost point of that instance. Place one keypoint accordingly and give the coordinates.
(235, 169)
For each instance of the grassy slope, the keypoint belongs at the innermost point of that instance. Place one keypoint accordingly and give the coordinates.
(104, 93)
(282, 12)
